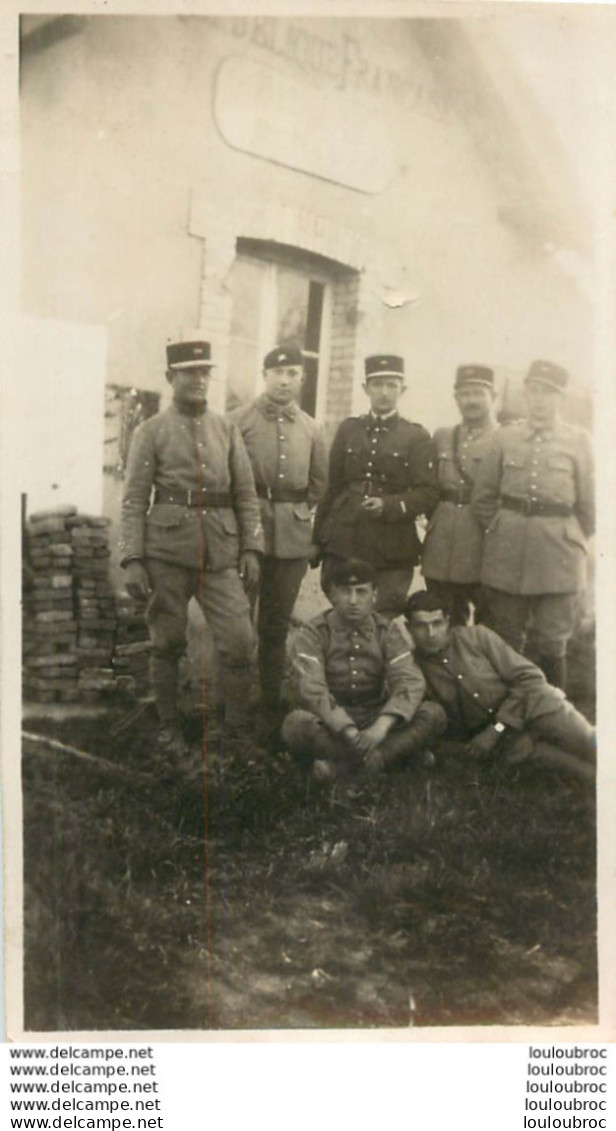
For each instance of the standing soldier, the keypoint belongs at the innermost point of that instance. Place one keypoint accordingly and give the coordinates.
(289, 460)
(198, 536)
(452, 550)
(381, 478)
(534, 497)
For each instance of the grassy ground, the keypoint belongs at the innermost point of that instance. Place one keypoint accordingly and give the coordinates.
(452, 896)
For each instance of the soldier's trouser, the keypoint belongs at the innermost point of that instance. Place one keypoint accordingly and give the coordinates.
(561, 740)
(546, 619)
(309, 740)
(459, 597)
(392, 585)
(224, 602)
(281, 580)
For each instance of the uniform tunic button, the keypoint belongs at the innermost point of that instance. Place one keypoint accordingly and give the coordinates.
(459, 677)
(280, 475)
(283, 456)
(475, 694)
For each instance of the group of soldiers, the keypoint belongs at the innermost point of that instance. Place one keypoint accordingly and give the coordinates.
(232, 510)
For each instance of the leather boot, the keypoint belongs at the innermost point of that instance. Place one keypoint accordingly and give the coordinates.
(554, 669)
(428, 724)
(239, 725)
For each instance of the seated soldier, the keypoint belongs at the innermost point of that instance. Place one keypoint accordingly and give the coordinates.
(360, 692)
(496, 701)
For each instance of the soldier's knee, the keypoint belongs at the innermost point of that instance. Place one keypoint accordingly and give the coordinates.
(433, 715)
(168, 640)
(238, 645)
(297, 730)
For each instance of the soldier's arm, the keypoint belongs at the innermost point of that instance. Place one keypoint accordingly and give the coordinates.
(317, 475)
(138, 482)
(421, 496)
(405, 683)
(585, 486)
(529, 695)
(335, 482)
(486, 490)
(309, 677)
(245, 501)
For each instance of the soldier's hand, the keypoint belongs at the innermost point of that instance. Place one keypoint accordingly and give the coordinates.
(250, 570)
(378, 730)
(358, 740)
(482, 745)
(137, 581)
(375, 762)
(314, 555)
(374, 506)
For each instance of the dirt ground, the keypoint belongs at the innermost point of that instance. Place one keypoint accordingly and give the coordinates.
(451, 895)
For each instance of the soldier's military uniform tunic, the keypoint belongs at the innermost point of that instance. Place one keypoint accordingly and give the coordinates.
(189, 510)
(348, 675)
(453, 546)
(534, 497)
(393, 459)
(289, 460)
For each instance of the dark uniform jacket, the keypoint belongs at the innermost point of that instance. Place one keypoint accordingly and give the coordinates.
(453, 545)
(478, 679)
(393, 459)
(289, 460)
(351, 674)
(534, 553)
(205, 455)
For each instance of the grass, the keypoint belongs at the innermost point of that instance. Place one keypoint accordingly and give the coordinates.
(455, 896)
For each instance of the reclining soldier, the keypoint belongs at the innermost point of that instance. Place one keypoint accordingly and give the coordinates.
(360, 694)
(497, 702)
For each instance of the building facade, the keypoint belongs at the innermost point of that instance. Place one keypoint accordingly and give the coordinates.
(356, 185)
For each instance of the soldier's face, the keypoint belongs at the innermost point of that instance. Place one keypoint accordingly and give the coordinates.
(283, 383)
(475, 403)
(190, 386)
(384, 393)
(353, 602)
(430, 631)
(543, 403)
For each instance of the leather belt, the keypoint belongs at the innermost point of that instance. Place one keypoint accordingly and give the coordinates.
(536, 507)
(460, 495)
(370, 487)
(280, 495)
(194, 497)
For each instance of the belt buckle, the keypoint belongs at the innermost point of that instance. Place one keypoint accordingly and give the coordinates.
(460, 500)
(527, 507)
(189, 497)
(269, 494)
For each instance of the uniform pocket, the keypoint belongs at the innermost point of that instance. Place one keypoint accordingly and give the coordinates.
(354, 463)
(574, 535)
(229, 525)
(301, 512)
(165, 516)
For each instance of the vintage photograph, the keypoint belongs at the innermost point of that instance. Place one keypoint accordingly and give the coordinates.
(308, 555)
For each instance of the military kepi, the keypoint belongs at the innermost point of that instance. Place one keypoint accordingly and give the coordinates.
(384, 365)
(352, 572)
(282, 356)
(474, 375)
(549, 374)
(188, 355)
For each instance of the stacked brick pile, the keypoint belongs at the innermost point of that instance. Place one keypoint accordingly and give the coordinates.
(132, 648)
(81, 642)
(95, 607)
(50, 625)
